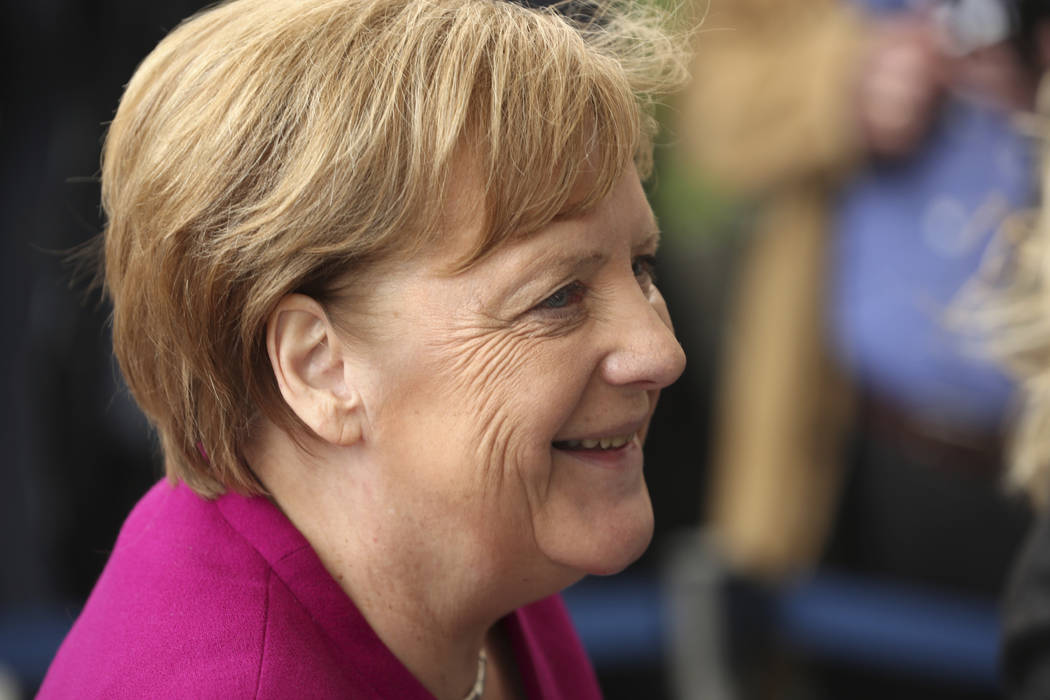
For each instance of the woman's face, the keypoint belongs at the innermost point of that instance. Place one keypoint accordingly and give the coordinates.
(511, 401)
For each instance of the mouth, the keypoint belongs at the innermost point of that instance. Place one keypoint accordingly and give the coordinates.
(603, 444)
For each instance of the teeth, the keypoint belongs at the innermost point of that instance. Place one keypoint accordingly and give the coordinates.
(606, 443)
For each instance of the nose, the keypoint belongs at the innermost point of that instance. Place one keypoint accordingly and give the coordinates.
(645, 351)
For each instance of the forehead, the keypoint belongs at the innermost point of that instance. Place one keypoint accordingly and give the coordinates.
(621, 221)
(472, 217)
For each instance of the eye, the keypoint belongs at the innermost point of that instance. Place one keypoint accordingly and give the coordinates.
(644, 269)
(569, 295)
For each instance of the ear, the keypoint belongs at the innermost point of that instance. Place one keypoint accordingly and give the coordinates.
(311, 366)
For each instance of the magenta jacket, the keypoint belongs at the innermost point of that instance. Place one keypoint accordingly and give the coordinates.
(225, 599)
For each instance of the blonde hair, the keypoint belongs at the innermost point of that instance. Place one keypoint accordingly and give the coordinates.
(274, 146)
(1007, 306)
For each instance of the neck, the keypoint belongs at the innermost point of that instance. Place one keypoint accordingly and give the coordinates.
(432, 591)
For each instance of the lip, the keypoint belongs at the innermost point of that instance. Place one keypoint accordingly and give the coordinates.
(634, 427)
(625, 457)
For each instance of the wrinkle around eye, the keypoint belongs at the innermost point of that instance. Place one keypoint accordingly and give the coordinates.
(565, 297)
(553, 323)
(543, 320)
(486, 368)
(480, 352)
(556, 323)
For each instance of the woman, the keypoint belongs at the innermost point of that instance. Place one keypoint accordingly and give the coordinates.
(381, 276)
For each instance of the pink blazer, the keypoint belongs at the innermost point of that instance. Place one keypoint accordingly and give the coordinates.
(225, 599)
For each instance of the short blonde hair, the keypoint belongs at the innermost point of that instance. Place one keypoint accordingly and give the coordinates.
(274, 146)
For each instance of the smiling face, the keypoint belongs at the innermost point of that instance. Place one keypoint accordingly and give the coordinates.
(509, 403)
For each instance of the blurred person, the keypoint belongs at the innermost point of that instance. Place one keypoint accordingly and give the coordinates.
(387, 299)
(832, 154)
(857, 429)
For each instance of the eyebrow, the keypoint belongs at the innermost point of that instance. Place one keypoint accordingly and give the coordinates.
(575, 262)
(571, 261)
(653, 239)
(579, 260)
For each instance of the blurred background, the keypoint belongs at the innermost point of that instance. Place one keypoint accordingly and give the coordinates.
(827, 475)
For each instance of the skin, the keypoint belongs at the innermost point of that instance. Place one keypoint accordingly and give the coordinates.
(440, 486)
(906, 73)
(900, 85)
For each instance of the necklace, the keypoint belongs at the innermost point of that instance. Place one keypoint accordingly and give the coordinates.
(479, 683)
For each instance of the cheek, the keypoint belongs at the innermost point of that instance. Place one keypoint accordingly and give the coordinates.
(500, 382)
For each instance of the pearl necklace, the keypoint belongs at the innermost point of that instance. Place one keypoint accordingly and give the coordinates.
(479, 683)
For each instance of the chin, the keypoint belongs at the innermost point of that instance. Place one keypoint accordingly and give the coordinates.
(625, 552)
(623, 537)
